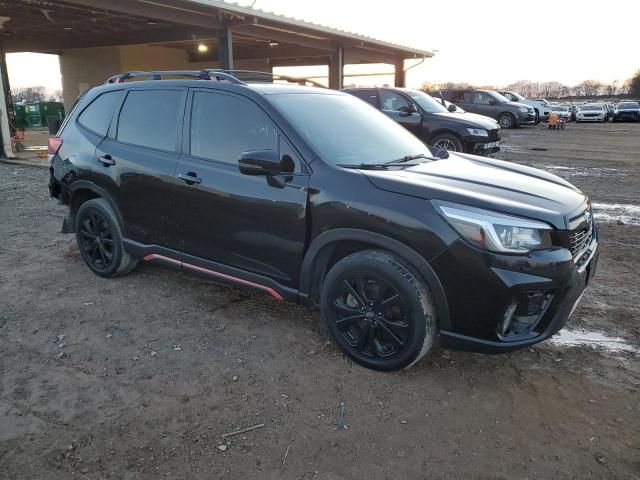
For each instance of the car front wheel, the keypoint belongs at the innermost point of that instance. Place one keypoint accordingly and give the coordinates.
(507, 120)
(378, 310)
(448, 142)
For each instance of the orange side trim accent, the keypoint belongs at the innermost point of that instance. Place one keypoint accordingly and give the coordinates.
(269, 290)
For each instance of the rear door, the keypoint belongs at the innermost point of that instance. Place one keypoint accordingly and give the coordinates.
(402, 109)
(141, 151)
(255, 223)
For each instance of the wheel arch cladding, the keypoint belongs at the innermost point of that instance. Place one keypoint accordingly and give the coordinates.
(331, 246)
(82, 191)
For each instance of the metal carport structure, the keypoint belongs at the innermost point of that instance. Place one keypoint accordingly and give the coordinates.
(95, 38)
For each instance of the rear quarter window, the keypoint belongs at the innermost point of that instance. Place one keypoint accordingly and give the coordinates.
(97, 116)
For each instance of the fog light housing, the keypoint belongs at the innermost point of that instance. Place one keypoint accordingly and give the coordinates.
(523, 314)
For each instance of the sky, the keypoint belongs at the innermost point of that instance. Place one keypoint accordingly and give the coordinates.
(494, 42)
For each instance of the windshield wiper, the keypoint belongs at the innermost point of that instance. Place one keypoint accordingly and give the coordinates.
(374, 166)
(409, 158)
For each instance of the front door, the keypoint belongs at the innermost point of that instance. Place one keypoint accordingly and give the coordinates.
(255, 223)
(401, 109)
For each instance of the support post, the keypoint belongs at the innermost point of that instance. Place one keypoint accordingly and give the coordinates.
(336, 69)
(399, 79)
(5, 102)
(225, 49)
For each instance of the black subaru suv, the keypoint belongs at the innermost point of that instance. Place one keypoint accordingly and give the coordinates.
(431, 122)
(311, 195)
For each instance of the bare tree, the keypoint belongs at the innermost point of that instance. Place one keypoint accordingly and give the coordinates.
(28, 94)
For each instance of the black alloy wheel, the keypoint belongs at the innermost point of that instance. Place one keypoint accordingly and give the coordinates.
(100, 239)
(97, 240)
(371, 315)
(378, 310)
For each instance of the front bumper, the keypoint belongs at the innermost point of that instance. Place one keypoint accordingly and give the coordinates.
(526, 118)
(537, 292)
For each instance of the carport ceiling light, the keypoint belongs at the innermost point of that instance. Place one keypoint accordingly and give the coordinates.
(202, 48)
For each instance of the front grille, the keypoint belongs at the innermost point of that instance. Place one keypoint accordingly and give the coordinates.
(590, 114)
(580, 238)
(494, 135)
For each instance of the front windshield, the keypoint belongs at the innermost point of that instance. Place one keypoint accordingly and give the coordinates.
(622, 105)
(516, 97)
(559, 108)
(343, 129)
(591, 108)
(426, 102)
(497, 96)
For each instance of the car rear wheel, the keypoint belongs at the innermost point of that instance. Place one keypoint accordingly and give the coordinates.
(448, 142)
(537, 117)
(99, 239)
(378, 310)
(507, 120)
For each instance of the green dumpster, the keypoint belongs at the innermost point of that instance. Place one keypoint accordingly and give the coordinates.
(33, 116)
(19, 119)
(51, 109)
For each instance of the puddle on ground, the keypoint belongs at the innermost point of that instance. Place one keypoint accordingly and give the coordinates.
(563, 171)
(590, 339)
(616, 212)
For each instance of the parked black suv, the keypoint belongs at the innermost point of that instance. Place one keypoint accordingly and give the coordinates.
(431, 122)
(311, 195)
(627, 110)
(487, 102)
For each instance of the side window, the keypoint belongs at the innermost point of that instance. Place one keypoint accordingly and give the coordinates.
(392, 101)
(483, 99)
(369, 96)
(150, 118)
(459, 97)
(469, 97)
(97, 116)
(223, 126)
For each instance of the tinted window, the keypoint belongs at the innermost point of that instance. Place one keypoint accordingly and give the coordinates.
(427, 102)
(458, 97)
(343, 130)
(393, 101)
(149, 118)
(97, 116)
(222, 127)
(369, 96)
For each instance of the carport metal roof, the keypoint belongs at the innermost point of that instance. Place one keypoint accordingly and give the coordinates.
(233, 31)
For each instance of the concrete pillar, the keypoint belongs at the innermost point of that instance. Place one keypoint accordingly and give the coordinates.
(225, 49)
(400, 74)
(336, 69)
(5, 132)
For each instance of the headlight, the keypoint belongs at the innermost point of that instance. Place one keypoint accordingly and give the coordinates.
(524, 109)
(495, 231)
(478, 132)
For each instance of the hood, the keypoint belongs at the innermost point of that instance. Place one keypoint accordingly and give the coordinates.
(469, 120)
(486, 183)
(518, 104)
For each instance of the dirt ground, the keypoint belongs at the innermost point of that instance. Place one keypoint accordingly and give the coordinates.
(139, 377)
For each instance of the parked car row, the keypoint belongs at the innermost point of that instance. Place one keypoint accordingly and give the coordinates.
(433, 123)
(627, 110)
(311, 195)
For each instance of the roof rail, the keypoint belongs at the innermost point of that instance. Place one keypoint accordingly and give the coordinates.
(230, 76)
(205, 74)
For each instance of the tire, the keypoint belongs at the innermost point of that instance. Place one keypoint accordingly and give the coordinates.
(99, 238)
(507, 120)
(378, 310)
(537, 117)
(447, 141)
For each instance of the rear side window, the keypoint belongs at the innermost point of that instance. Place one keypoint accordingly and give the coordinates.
(222, 127)
(369, 96)
(97, 116)
(149, 118)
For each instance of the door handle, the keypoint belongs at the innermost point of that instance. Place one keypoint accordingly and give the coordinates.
(190, 178)
(106, 160)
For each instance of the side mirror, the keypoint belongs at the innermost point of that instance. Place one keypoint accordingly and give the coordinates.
(452, 107)
(259, 162)
(439, 152)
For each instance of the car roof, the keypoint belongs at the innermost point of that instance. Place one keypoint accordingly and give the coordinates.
(259, 88)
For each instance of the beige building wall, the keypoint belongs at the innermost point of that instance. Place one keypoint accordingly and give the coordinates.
(83, 68)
